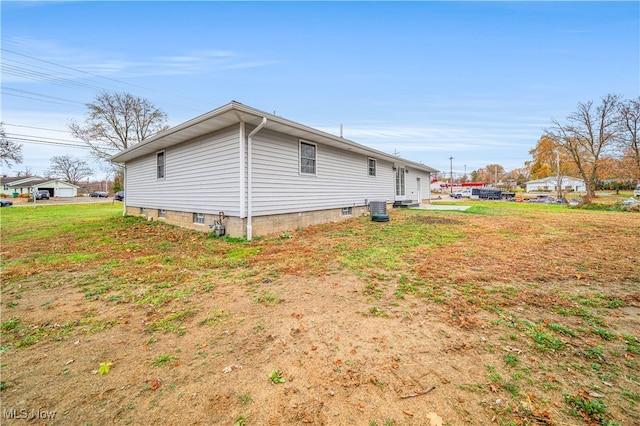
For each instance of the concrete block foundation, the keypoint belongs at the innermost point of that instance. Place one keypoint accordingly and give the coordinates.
(262, 225)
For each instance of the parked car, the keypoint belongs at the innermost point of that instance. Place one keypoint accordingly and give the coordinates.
(636, 192)
(100, 194)
(462, 193)
(575, 201)
(5, 203)
(42, 194)
(543, 199)
(119, 196)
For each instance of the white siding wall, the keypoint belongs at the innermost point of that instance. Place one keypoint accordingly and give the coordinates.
(341, 178)
(203, 176)
(200, 176)
(411, 185)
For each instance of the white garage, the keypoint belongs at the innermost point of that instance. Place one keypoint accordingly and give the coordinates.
(56, 188)
(66, 192)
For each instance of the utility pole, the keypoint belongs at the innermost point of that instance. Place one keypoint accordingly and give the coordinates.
(558, 183)
(450, 175)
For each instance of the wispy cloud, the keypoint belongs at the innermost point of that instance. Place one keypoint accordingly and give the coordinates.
(120, 65)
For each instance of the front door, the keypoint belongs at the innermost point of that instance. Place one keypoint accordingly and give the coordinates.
(419, 191)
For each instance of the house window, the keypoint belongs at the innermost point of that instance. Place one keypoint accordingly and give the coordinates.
(143, 210)
(162, 213)
(347, 211)
(160, 164)
(198, 218)
(307, 158)
(372, 167)
(400, 188)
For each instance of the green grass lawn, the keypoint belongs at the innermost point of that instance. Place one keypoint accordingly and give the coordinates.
(539, 298)
(24, 222)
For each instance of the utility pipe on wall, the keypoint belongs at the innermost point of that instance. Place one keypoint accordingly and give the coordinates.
(124, 182)
(242, 191)
(250, 177)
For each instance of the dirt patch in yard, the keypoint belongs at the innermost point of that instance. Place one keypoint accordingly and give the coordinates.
(508, 317)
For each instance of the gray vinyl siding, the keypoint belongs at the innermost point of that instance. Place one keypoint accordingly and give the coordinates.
(201, 176)
(341, 180)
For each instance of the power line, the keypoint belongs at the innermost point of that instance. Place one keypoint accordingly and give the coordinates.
(74, 69)
(41, 142)
(44, 140)
(33, 127)
(45, 77)
(100, 76)
(40, 94)
(43, 137)
(34, 99)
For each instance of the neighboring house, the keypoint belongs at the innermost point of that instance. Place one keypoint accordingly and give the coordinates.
(25, 185)
(10, 185)
(568, 184)
(265, 173)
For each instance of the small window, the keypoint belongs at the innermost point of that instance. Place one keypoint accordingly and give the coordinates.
(347, 211)
(198, 218)
(307, 158)
(372, 167)
(143, 210)
(160, 164)
(162, 213)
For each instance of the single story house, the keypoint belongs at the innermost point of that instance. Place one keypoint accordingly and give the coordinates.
(10, 185)
(14, 186)
(568, 184)
(264, 173)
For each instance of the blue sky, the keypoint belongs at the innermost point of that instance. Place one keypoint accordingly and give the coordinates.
(476, 81)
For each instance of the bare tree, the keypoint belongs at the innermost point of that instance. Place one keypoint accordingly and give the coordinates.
(69, 169)
(629, 127)
(27, 172)
(10, 152)
(587, 135)
(117, 121)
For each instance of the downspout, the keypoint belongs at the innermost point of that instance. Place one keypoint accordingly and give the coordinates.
(124, 181)
(250, 177)
(242, 189)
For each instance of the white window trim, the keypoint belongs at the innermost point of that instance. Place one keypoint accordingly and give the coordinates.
(164, 165)
(196, 216)
(315, 168)
(375, 171)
